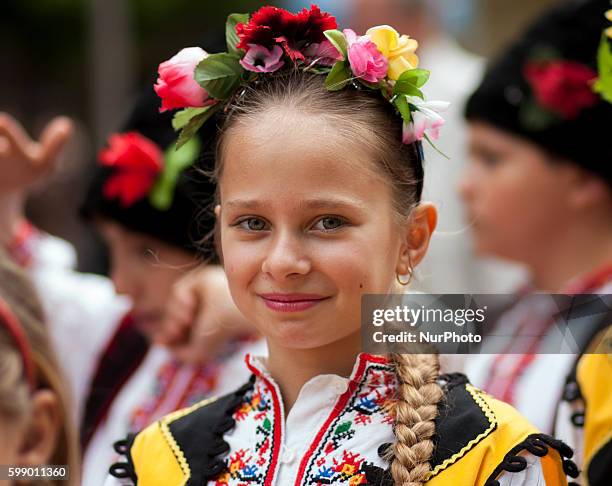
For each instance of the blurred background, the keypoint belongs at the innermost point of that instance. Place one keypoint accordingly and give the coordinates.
(89, 58)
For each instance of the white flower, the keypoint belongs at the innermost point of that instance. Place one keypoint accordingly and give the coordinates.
(426, 119)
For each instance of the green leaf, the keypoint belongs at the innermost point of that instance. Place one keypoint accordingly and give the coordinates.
(338, 40)
(433, 145)
(219, 75)
(402, 105)
(231, 37)
(422, 76)
(175, 162)
(603, 85)
(410, 81)
(181, 118)
(194, 124)
(409, 90)
(338, 77)
(267, 425)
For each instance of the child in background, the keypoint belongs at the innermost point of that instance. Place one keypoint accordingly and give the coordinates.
(539, 191)
(35, 422)
(319, 202)
(107, 333)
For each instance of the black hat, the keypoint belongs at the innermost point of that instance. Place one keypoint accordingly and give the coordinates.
(181, 214)
(542, 87)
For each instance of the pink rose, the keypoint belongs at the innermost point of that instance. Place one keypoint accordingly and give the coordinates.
(261, 60)
(176, 85)
(367, 62)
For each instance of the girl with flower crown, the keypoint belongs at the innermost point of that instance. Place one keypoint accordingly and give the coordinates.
(319, 203)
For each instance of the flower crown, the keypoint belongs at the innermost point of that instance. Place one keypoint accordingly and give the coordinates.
(273, 39)
(140, 168)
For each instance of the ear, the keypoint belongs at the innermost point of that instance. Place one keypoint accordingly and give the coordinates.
(418, 230)
(218, 211)
(41, 433)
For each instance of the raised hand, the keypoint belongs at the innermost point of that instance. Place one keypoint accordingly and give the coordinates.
(23, 160)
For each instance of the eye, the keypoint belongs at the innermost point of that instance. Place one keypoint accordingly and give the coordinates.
(147, 253)
(252, 224)
(329, 223)
(489, 158)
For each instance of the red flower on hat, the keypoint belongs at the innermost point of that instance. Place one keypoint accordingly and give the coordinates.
(563, 87)
(270, 26)
(137, 162)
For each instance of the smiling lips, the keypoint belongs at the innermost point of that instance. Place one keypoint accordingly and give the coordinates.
(291, 302)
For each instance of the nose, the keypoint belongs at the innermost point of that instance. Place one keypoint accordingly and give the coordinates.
(286, 257)
(123, 282)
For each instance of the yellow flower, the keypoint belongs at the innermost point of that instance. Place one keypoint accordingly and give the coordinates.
(608, 31)
(399, 50)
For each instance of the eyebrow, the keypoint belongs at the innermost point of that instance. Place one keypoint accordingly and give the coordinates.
(254, 204)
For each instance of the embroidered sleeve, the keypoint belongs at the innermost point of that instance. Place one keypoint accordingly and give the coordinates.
(538, 460)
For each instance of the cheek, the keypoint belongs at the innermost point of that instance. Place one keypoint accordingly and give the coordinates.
(360, 265)
(242, 262)
(504, 195)
(159, 283)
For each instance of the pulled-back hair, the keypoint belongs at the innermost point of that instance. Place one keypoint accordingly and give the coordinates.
(18, 293)
(364, 119)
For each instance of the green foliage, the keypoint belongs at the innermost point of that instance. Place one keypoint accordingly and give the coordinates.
(402, 105)
(182, 118)
(603, 85)
(339, 76)
(230, 31)
(176, 160)
(219, 74)
(410, 81)
(190, 128)
(338, 40)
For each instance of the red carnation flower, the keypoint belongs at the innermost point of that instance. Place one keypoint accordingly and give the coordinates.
(563, 87)
(272, 25)
(137, 162)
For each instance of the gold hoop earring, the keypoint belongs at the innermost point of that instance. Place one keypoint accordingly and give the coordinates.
(401, 282)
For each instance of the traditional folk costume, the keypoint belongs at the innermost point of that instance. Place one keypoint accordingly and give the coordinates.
(554, 89)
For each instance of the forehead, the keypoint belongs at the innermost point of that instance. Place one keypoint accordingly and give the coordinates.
(299, 154)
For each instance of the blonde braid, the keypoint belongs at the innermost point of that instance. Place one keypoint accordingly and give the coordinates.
(414, 413)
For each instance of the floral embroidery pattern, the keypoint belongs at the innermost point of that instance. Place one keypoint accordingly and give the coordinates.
(332, 461)
(250, 466)
(338, 453)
